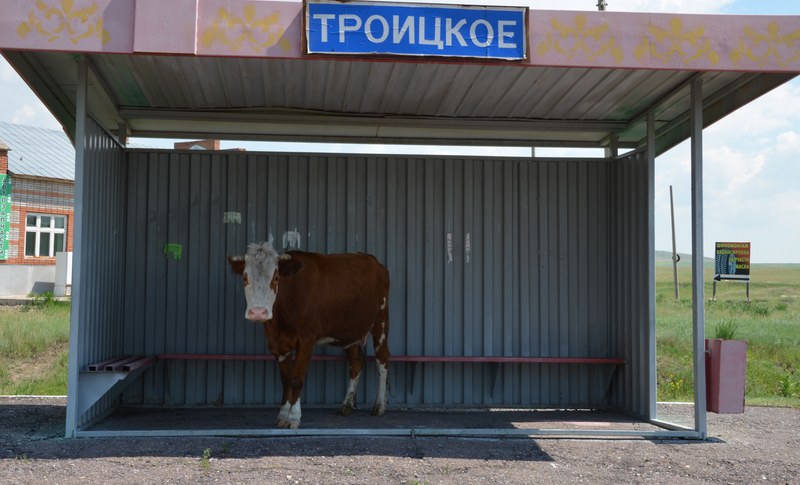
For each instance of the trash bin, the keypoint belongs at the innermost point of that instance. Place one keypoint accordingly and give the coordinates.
(726, 366)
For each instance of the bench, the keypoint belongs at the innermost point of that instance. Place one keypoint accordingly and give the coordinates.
(102, 376)
(111, 375)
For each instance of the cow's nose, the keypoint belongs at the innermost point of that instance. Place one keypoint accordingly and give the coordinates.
(258, 314)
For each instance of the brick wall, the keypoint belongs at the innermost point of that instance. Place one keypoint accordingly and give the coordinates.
(31, 195)
(204, 144)
(3, 158)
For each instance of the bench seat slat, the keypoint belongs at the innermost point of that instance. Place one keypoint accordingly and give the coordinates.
(125, 363)
(136, 364)
(101, 366)
(411, 358)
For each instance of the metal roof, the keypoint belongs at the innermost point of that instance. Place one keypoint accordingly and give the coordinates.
(38, 151)
(592, 87)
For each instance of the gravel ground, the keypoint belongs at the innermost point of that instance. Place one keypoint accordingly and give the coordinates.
(760, 446)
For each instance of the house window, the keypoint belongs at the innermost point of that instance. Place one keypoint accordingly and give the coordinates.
(45, 235)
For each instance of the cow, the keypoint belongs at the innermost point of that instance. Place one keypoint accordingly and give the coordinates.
(305, 299)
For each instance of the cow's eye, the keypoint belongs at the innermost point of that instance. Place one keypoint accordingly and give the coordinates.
(246, 279)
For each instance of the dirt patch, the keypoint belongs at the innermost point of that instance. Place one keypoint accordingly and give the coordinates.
(758, 446)
(39, 366)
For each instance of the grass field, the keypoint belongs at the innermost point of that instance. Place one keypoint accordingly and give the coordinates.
(770, 324)
(34, 339)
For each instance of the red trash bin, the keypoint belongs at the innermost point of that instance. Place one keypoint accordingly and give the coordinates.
(726, 366)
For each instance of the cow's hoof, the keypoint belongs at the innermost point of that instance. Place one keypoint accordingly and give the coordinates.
(345, 410)
(282, 423)
(379, 410)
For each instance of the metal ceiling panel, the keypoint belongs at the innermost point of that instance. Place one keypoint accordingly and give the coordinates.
(379, 101)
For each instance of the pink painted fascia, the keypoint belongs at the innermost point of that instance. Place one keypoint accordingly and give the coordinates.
(266, 29)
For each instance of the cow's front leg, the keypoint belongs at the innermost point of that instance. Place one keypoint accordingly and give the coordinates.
(285, 364)
(293, 376)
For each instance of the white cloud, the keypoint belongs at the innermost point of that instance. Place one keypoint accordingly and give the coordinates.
(728, 172)
(776, 110)
(19, 103)
(23, 115)
(34, 115)
(788, 142)
(7, 74)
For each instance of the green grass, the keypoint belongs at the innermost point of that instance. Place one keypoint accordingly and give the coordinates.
(770, 323)
(34, 339)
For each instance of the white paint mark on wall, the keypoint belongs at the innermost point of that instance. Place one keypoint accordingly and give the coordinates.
(291, 239)
(467, 248)
(450, 247)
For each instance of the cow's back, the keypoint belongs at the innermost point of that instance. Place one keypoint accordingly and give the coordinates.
(337, 296)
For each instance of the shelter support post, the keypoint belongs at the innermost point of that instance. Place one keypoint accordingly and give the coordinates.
(612, 147)
(698, 291)
(651, 384)
(75, 347)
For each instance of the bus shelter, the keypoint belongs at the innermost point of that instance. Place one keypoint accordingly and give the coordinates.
(516, 281)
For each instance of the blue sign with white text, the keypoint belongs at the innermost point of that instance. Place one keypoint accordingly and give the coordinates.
(416, 30)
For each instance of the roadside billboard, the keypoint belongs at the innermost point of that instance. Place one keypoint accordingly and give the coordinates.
(732, 261)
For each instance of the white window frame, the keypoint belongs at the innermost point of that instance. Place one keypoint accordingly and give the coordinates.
(52, 230)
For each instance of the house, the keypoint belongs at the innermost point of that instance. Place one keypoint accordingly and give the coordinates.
(37, 190)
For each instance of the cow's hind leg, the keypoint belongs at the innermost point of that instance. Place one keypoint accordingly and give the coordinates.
(380, 332)
(355, 356)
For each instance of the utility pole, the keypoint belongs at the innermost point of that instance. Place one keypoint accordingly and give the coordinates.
(675, 256)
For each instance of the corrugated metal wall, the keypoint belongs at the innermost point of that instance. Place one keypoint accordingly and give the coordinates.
(487, 257)
(628, 269)
(102, 243)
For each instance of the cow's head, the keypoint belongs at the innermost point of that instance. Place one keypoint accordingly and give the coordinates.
(261, 269)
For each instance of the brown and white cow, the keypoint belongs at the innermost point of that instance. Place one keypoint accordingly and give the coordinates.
(307, 299)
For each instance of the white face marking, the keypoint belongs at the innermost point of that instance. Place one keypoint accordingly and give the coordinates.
(383, 305)
(260, 277)
(326, 341)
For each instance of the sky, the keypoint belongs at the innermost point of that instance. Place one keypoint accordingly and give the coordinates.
(751, 158)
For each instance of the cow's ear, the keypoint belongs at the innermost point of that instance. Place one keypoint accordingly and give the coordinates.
(237, 264)
(289, 266)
